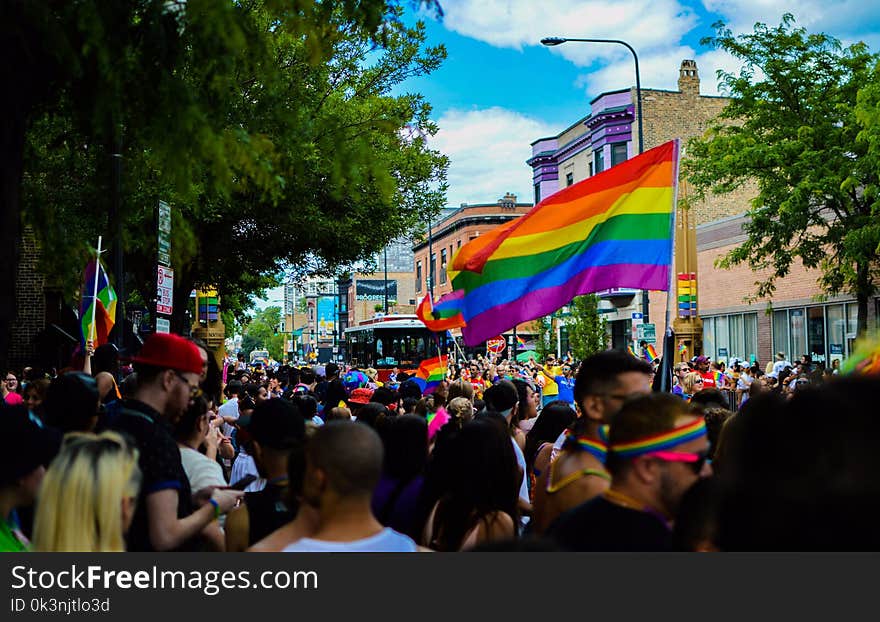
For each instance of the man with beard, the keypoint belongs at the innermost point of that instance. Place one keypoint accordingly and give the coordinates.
(168, 370)
(657, 450)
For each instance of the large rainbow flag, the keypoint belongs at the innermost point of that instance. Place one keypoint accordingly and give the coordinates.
(611, 230)
(105, 304)
(431, 373)
(441, 316)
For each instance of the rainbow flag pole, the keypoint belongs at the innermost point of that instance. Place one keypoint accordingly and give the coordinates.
(666, 363)
(95, 291)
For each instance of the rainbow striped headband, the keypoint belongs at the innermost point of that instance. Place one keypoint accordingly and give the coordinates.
(594, 447)
(662, 441)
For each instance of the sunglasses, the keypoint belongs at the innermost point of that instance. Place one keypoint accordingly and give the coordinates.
(194, 389)
(694, 460)
(698, 381)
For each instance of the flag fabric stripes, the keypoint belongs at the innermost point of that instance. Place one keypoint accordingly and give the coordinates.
(650, 353)
(442, 315)
(105, 305)
(431, 373)
(520, 342)
(611, 230)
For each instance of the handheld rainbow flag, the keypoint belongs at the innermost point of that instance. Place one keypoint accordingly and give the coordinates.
(719, 379)
(441, 316)
(682, 349)
(650, 353)
(865, 359)
(520, 343)
(631, 351)
(611, 230)
(96, 313)
(430, 373)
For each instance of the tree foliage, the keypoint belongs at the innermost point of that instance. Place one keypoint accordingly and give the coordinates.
(794, 128)
(586, 327)
(268, 125)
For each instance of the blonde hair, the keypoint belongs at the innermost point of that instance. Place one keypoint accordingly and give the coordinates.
(688, 383)
(79, 508)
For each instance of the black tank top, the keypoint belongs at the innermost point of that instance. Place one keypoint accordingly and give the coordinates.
(268, 510)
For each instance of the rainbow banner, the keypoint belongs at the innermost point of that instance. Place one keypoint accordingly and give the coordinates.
(611, 230)
(102, 307)
(431, 373)
(443, 315)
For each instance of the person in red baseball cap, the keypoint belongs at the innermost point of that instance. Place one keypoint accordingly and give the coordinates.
(168, 369)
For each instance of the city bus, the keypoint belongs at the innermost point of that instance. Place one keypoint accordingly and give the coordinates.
(391, 341)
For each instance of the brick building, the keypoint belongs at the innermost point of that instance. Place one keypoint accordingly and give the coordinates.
(732, 323)
(456, 228)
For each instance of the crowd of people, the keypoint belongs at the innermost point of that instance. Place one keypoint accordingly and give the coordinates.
(171, 451)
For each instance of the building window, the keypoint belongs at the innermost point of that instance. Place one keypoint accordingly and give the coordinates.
(442, 265)
(418, 276)
(458, 244)
(590, 171)
(618, 153)
(432, 272)
(599, 157)
(726, 337)
(537, 193)
(569, 179)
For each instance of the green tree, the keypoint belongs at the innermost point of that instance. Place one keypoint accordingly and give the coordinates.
(586, 327)
(235, 113)
(793, 128)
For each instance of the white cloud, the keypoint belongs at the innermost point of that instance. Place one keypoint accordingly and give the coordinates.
(645, 24)
(488, 149)
(841, 18)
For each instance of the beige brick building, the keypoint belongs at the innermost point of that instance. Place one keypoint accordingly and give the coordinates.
(734, 325)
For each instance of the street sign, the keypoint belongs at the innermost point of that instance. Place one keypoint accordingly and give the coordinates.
(164, 290)
(637, 316)
(647, 332)
(164, 233)
(163, 325)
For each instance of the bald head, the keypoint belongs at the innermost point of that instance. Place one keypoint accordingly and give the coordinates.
(350, 455)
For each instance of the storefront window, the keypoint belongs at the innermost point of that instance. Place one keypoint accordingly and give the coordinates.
(836, 333)
(737, 341)
(709, 337)
(798, 333)
(780, 332)
(750, 330)
(816, 334)
(722, 339)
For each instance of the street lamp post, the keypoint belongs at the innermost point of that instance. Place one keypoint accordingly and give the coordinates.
(553, 41)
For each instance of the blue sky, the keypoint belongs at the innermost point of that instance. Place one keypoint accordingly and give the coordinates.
(500, 89)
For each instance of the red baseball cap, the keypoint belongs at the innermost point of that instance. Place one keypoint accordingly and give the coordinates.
(170, 352)
(361, 396)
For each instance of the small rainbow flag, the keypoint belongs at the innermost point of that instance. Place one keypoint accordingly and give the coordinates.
(613, 229)
(102, 306)
(443, 315)
(631, 351)
(520, 342)
(650, 353)
(719, 379)
(431, 373)
(866, 358)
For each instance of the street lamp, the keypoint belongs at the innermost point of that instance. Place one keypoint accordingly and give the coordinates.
(553, 41)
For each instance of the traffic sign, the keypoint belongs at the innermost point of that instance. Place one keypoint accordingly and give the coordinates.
(163, 325)
(164, 233)
(164, 290)
(647, 332)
